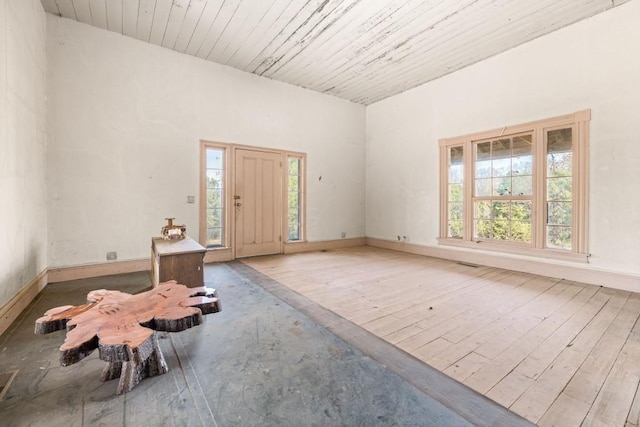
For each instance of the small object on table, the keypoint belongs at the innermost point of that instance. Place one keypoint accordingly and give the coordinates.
(171, 232)
(122, 327)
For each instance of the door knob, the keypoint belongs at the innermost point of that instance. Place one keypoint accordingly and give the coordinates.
(238, 204)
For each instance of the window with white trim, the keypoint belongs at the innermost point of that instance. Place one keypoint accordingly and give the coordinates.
(520, 188)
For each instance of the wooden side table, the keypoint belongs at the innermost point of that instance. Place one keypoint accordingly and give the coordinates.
(179, 260)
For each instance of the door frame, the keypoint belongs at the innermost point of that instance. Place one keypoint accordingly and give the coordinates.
(228, 252)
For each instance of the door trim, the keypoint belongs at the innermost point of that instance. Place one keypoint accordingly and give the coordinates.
(228, 252)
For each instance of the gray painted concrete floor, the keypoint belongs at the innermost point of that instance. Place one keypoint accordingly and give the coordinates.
(258, 362)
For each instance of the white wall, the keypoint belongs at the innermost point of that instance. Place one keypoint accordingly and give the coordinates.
(126, 118)
(593, 64)
(23, 212)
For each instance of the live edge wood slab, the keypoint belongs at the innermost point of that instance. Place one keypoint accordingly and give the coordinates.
(122, 327)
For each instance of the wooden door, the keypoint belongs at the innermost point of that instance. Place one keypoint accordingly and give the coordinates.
(258, 203)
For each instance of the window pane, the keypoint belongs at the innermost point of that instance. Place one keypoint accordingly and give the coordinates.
(455, 229)
(294, 198)
(483, 229)
(558, 237)
(215, 158)
(215, 192)
(456, 165)
(456, 174)
(521, 210)
(483, 151)
(522, 145)
(483, 169)
(559, 213)
(455, 211)
(559, 188)
(214, 178)
(456, 156)
(294, 226)
(482, 210)
(522, 185)
(483, 187)
(214, 237)
(214, 198)
(522, 165)
(214, 218)
(501, 187)
(501, 167)
(559, 164)
(500, 230)
(455, 224)
(293, 183)
(521, 231)
(559, 141)
(500, 210)
(501, 149)
(455, 193)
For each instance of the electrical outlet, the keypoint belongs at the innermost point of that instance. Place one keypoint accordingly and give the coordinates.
(111, 256)
(191, 199)
(343, 234)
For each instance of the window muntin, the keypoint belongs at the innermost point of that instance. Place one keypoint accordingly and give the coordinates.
(294, 198)
(524, 188)
(215, 193)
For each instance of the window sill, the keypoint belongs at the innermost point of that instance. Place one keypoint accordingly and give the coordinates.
(516, 249)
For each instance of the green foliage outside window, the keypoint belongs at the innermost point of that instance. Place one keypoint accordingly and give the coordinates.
(215, 199)
(293, 205)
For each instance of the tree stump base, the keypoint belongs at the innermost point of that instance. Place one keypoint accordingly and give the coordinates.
(122, 327)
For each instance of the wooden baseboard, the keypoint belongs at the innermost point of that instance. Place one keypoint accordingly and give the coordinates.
(579, 272)
(87, 271)
(324, 245)
(11, 310)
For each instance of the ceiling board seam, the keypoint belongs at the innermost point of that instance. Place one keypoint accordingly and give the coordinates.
(312, 40)
(247, 36)
(315, 12)
(280, 32)
(224, 29)
(272, 24)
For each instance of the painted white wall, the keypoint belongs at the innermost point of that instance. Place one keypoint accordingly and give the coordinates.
(592, 64)
(126, 118)
(23, 212)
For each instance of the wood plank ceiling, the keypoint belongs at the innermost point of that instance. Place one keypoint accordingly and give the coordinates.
(360, 50)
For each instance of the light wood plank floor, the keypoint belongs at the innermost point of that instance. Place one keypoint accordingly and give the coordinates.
(556, 352)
